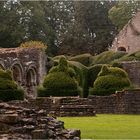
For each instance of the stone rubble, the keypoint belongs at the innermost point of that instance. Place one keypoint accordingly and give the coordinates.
(18, 122)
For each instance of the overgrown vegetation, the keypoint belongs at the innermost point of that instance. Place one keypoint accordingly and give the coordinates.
(9, 90)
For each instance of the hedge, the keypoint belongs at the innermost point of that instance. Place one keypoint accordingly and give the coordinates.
(102, 92)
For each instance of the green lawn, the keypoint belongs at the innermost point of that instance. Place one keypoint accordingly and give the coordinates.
(105, 126)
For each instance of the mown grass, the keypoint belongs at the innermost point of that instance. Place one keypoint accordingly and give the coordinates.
(105, 126)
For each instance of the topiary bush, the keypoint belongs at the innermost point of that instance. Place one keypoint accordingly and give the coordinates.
(9, 90)
(93, 72)
(84, 59)
(109, 80)
(60, 81)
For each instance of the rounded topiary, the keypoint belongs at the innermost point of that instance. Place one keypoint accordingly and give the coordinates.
(110, 79)
(60, 81)
(9, 90)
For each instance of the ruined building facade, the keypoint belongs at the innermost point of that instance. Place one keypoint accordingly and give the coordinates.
(27, 65)
(128, 38)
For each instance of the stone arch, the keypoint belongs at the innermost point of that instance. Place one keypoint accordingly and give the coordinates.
(17, 71)
(31, 80)
(2, 66)
(122, 49)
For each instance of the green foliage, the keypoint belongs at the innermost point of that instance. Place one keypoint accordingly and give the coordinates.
(58, 84)
(93, 73)
(122, 12)
(102, 92)
(81, 75)
(11, 94)
(8, 88)
(61, 81)
(84, 59)
(107, 57)
(5, 74)
(109, 80)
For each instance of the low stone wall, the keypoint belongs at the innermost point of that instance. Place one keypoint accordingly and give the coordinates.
(127, 102)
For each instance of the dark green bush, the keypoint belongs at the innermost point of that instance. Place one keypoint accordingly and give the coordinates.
(58, 84)
(115, 71)
(107, 57)
(109, 80)
(93, 73)
(11, 94)
(8, 87)
(84, 59)
(60, 81)
(101, 92)
(45, 92)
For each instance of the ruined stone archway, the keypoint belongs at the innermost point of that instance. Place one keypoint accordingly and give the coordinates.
(31, 77)
(122, 49)
(31, 81)
(17, 71)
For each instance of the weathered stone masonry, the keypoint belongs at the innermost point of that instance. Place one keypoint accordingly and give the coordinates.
(128, 38)
(126, 102)
(27, 64)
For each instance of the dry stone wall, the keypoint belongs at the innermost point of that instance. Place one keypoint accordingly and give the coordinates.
(126, 102)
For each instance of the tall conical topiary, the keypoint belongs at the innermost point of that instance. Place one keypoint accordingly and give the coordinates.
(60, 81)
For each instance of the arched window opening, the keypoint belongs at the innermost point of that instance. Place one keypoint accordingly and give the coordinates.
(31, 77)
(122, 49)
(17, 73)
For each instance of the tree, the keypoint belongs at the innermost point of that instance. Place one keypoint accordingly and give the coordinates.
(91, 31)
(122, 12)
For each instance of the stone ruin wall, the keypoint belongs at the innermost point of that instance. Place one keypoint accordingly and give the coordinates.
(27, 65)
(126, 102)
(133, 70)
(128, 38)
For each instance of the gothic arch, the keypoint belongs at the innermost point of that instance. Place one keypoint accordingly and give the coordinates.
(17, 71)
(31, 75)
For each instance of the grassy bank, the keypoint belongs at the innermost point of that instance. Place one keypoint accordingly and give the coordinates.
(106, 126)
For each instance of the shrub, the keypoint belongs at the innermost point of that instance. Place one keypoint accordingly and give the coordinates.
(107, 57)
(60, 81)
(81, 76)
(109, 80)
(8, 88)
(84, 59)
(93, 73)
(58, 84)
(115, 71)
(11, 94)
(101, 92)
